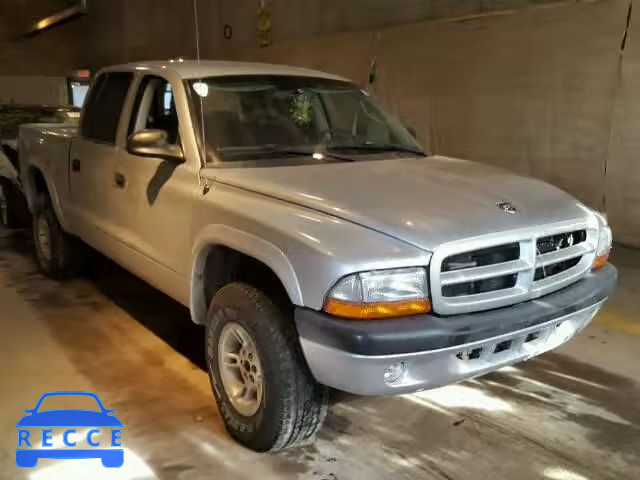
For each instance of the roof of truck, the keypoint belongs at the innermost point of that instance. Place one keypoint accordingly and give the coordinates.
(189, 69)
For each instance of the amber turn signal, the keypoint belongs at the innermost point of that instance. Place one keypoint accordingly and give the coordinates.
(600, 261)
(375, 311)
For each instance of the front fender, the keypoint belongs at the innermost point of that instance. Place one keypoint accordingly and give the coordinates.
(251, 245)
(308, 250)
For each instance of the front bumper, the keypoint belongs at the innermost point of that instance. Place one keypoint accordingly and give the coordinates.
(436, 351)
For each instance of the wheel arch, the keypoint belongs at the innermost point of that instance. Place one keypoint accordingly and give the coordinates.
(35, 182)
(235, 246)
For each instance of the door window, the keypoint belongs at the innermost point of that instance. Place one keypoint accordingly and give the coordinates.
(104, 106)
(155, 108)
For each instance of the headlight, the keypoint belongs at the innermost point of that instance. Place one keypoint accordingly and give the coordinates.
(380, 294)
(605, 240)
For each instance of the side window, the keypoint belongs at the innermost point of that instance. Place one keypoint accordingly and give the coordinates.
(155, 108)
(89, 112)
(104, 106)
(168, 102)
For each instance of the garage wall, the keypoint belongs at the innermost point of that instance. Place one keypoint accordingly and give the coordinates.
(295, 19)
(528, 89)
(123, 31)
(33, 89)
(56, 52)
(623, 168)
(113, 31)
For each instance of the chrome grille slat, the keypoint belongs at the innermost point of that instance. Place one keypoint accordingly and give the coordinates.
(527, 286)
(484, 298)
(479, 273)
(564, 254)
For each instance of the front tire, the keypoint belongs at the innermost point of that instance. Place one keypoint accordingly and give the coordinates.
(54, 247)
(265, 392)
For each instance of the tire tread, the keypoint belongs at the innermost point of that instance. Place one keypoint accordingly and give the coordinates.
(304, 408)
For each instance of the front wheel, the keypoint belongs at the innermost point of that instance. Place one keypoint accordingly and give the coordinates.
(265, 392)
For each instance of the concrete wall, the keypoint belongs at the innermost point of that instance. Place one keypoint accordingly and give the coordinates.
(532, 90)
(623, 166)
(296, 19)
(113, 31)
(32, 68)
(55, 52)
(33, 89)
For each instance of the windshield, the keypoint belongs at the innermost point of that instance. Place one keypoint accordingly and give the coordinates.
(271, 117)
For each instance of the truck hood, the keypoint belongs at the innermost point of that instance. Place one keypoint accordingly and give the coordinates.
(422, 201)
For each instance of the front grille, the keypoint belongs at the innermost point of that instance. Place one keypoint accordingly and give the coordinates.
(480, 286)
(555, 269)
(497, 273)
(557, 243)
(560, 241)
(482, 257)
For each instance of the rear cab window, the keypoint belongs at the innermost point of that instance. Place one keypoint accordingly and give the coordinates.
(104, 106)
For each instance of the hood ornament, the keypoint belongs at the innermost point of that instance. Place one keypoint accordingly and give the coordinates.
(507, 207)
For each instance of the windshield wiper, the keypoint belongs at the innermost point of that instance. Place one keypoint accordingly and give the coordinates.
(379, 147)
(276, 148)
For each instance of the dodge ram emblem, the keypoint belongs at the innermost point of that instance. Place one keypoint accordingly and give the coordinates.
(507, 207)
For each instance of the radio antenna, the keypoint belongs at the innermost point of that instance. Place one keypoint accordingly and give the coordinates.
(203, 157)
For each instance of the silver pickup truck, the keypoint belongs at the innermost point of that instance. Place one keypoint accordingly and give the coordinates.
(306, 228)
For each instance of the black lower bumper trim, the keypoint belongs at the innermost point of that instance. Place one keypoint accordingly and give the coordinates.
(431, 332)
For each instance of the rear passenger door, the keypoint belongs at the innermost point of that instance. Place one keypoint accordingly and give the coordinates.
(93, 156)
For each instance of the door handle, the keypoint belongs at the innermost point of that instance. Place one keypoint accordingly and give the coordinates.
(75, 165)
(119, 180)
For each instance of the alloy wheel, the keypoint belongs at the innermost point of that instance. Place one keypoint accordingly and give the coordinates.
(240, 369)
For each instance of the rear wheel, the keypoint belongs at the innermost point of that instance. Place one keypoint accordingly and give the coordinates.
(265, 392)
(58, 253)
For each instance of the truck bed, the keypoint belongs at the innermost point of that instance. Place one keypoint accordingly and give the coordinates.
(45, 147)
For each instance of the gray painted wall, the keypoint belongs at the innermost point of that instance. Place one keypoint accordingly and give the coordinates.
(296, 19)
(33, 89)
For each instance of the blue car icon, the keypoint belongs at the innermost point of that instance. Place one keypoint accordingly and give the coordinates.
(111, 457)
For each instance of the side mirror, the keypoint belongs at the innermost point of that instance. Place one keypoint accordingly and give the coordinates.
(153, 143)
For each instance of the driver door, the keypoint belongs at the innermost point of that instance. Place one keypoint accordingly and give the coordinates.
(156, 195)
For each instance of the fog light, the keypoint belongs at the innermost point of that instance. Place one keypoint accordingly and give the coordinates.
(393, 372)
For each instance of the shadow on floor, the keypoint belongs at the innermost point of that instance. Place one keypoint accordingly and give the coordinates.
(163, 316)
(160, 314)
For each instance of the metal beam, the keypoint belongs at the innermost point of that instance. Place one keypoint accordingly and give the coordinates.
(80, 8)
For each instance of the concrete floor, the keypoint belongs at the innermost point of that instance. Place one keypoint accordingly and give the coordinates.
(569, 415)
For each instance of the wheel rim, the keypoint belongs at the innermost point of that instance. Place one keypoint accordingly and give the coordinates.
(44, 238)
(240, 369)
(4, 207)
